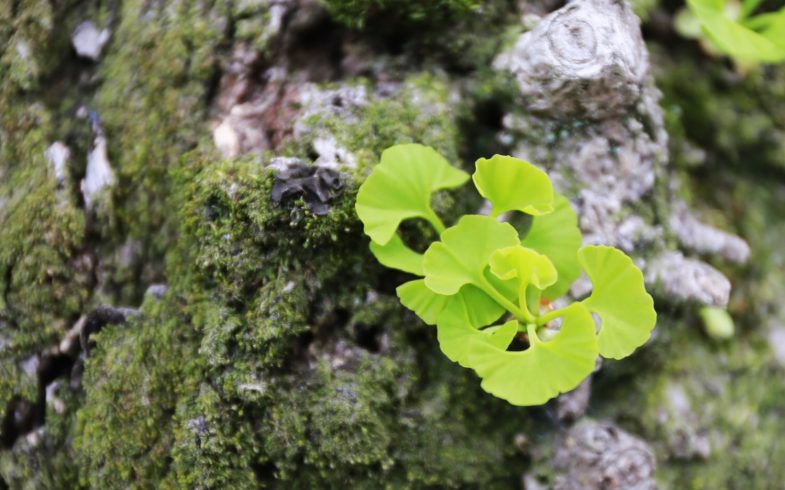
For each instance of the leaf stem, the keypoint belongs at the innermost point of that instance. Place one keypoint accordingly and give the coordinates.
(522, 316)
(530, 300)
(522, 301)
(435, 221)
(543, 319)
(531, 331)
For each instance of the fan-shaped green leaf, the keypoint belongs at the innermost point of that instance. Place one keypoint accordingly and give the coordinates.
(463, 252)
(513, 184)
(396, 255)
(733, 38)
(620, 299)
(421, 300)
(400, 187)
(545, 369)
(774, 27)
(747, 7)
(455, 332)
(480, 309)
(557, 236)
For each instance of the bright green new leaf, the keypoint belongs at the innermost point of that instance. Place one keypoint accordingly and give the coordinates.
(747, 6)
(421, 300)
(513, 184)
(507, 288)
(774, 29)
(557, 236)
(480, 309)
(620, 299)
(463, 252)
(480, 270)
(400, 188)
(545, 369)
(455, 333)
(733, 38)
(396, 255)
(523, 264)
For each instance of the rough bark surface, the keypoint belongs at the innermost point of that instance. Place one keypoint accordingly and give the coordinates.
(186, 295)
(591, 113)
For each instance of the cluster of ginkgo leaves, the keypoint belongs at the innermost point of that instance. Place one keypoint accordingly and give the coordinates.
(486, 288)
(733, 28)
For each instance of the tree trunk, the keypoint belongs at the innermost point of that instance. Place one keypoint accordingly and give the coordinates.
(188, 300)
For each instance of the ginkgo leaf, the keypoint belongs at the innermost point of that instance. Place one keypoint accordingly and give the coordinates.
(455, 332)
(463, 252)
(523, 264)
(513, 184)
(396, 255)
(557, 236)
(733, 38)
(747, 6)
(400, 188)
(546, 368)
(480, 309)
(508, 288)
(619, 298)
(421, 300)
(774, 27)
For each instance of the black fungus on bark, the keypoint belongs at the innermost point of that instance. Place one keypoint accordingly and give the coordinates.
(316, 185)
(97, 319)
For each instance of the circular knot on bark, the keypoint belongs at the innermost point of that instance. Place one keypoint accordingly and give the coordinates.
(573, 40)
(586, 60)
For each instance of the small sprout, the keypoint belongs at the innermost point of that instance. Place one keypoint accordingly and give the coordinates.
(717, 322)
(485, 288)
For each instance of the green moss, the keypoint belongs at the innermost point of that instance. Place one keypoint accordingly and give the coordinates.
(42, 232)
(216, 445)
(133, 381)
(459, 34)
(706, 396)
(44, 278)
(309, 377)
(240, 239)
(739, 120)
(356, 13)
(341, 429)
(158, 68)
(422, 109)
(35, 37)
(280, 355)
(44, 458)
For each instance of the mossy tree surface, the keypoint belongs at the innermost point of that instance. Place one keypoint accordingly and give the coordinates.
(280, 355)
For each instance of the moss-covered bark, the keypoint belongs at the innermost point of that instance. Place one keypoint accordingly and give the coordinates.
(279, 355)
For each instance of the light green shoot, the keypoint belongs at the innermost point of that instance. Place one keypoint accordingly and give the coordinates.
(482, 272)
